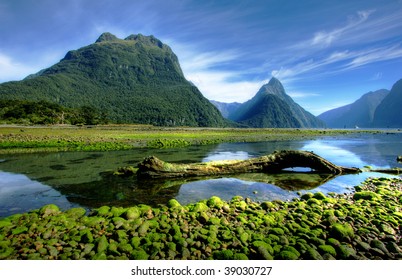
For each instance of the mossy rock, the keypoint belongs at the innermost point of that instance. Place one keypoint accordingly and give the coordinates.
(173, 203)
(287, 255)
(342, 231)
(200, 207)
(379, 245)
(292, 249)
(345, 252)
(366, 195)
(267, 205)
(333, 242)
(240, 256)
(313, 254)
(264, 254)
(327, 249)
(319, 196)
(48, 210)
(215, 202)
(102, 244)
(5, 223)
(132, 213)
(266, 246)
(307, 196)
(104, 211)
(223, 255)
(75, 213)
(6, 253)
(277, 231)
(118, 211)
(386, 228)
(19, 230)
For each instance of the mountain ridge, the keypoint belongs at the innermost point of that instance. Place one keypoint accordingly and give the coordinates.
(134, 80)
(272, 107)
(359, 113)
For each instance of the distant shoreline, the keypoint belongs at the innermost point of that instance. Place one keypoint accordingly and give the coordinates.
(56, 138)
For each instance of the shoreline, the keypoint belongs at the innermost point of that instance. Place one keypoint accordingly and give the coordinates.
(363, 225)
(29, 139)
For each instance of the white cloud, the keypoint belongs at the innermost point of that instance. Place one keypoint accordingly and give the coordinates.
(206, 70)
(214, 85)
(326, 38)
(13, 70)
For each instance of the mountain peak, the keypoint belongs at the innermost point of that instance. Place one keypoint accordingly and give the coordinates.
(274, 82)
(106, 37)
(274, 86)
(147, 40)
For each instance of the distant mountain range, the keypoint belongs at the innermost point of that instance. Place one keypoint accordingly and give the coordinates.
(381, 109)
(359, 113)
(270, 107)
(139, 80)
(135, 80)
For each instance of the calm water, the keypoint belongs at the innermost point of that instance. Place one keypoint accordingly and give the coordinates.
(72, 179)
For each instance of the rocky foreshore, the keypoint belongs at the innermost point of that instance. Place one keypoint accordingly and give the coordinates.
(363, 225)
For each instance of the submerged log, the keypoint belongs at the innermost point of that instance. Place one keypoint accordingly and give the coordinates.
(152, 167)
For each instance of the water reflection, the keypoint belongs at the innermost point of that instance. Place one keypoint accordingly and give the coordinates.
(69, 179)
(19, 194)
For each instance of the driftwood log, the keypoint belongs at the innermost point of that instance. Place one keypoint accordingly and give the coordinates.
(152, 167)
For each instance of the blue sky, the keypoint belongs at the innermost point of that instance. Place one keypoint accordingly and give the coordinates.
(326, 53)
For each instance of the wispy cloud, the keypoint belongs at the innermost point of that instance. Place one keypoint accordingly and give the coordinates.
(322, 38)
(13, 70)
(340, 61)
(208, 72)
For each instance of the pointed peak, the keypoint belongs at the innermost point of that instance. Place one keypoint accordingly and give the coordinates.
(106, 37)
(274, 86)
(274, 82)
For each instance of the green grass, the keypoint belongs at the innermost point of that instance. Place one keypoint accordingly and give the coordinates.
(122, 137)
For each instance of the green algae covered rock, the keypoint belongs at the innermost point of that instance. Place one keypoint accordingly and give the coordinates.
(312, 228)
(200, 207)
(75, 213)
(49, 210)
(215, 202)
(173, 203)
(342, 231)
(366, 195)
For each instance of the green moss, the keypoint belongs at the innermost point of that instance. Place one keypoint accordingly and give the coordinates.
(19, 230)
(75, 213)
(327, 249)
(313, 254)
(103, 211)
(223, 255)
(200, 207)
(173, 203)
(240, 256)
(319, 196)
(132, 213)
(366, 195)
(342, 231)
(50, 209)
(287, 255)
(215, 202)
(102, 244)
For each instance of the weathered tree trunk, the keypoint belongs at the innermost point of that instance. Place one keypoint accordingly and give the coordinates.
(153, 167)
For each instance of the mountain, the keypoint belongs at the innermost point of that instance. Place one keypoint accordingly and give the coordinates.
(388, 113)
(272, 107)
(135, 80)
(359, 113)
(226, 108)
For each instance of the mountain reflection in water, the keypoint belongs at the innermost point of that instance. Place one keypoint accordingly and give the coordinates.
(72, 179)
